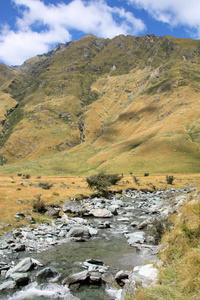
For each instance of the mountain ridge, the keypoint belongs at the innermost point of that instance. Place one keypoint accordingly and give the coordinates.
(129, 103)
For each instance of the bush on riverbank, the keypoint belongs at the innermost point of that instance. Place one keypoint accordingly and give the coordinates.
(102, 181)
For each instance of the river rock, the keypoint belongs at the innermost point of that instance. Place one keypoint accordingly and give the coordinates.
(80, 277)
(52, 211)
(46, 273)
(113, 209)
(101, 213)
(19, 247)
(149, 272)
(23, 266)
(20, 278)
(95, 278)
(143, 224)
(92, 231)
(10, 284)
(120, 276)
(8, 237)
(73, 207)
(135, 237)
(30, 219)
(81, 231)
(4, 266)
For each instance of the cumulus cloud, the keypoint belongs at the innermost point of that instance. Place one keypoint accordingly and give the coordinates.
(173, 12)
(40, 26)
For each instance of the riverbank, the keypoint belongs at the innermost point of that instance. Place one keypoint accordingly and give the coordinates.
(18, 191)
(179, 274)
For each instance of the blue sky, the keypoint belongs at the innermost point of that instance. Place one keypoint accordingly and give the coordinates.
(31, 27)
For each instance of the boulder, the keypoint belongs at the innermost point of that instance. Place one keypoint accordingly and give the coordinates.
(149, 272)
(81, 277)
(135, 237)
(121, 275)
(79, 231)
(52, 211)
(73, 207)
(101, 213)
(23, 266)
(46, 273)
(20, 278)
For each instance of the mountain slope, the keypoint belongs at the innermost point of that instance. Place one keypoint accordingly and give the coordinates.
(122, 105)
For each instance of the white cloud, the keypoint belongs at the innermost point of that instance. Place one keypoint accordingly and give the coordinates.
(57, 21)
(173, 12)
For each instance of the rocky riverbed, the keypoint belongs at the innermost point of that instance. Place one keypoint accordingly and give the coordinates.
(100, 251)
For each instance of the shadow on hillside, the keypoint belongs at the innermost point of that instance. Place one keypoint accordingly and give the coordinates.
(150, 109)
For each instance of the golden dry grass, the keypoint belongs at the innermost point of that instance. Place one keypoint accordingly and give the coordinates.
(14, 187)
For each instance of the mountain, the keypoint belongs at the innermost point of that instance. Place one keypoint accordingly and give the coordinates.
(127, 104)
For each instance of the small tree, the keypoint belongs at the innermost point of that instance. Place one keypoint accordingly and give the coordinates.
(102, 181)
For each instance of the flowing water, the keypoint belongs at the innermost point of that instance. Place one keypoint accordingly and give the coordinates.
(110, 246)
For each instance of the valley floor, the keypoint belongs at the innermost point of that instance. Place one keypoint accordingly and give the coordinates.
(17, 191)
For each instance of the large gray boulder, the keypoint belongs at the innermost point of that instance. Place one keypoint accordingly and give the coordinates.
(20, 278)
(25, 265)
(80, 277)
(73, 207)
(78, 231)
(101, 213)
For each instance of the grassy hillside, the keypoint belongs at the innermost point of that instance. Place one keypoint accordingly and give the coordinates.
(130, 104)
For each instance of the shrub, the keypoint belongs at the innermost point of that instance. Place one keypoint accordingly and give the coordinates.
(45, 185)
(27, 176)
(157, 228)
(55, 194)
(170, 179)
(39, 205)
(135, 180)
(102, 181)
